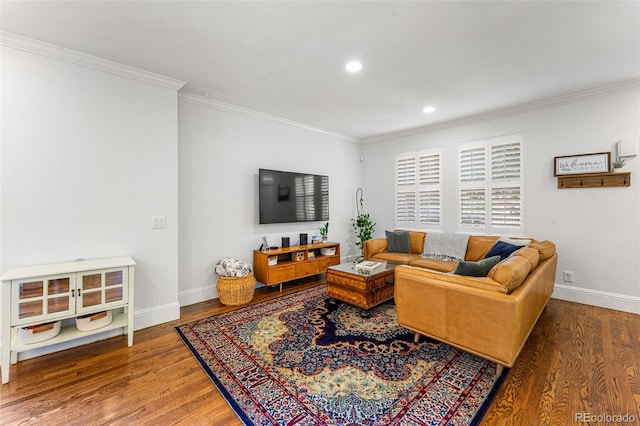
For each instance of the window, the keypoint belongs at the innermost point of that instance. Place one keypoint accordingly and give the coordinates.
(490, 186)
(418, 189)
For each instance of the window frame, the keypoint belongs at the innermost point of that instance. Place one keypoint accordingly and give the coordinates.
(418, 188)
(504, 185)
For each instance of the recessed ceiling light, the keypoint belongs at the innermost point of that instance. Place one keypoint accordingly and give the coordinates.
(353, 66)
(429, 109)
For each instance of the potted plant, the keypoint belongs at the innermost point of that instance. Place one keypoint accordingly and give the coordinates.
(324, 232)
(363, 227)
(618, 163)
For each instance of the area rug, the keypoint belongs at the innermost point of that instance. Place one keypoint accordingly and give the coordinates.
(304, 359)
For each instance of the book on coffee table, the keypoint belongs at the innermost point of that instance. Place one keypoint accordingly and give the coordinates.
(370, 266)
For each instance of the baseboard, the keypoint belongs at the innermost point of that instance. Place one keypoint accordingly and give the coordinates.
(157, 315)
(197, 295)
(142, 319)
(603, 299)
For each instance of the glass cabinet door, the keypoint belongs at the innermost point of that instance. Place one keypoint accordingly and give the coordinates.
(102, 289)
(40, 299)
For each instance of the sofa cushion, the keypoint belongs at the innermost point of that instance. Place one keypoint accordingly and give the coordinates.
(477, 269)
(479, 246)
(403, 258)
(416, 240)
(502, 249)
(398, 242)
(511, 272)
(434, 264)
(546, 248)
(531, 254)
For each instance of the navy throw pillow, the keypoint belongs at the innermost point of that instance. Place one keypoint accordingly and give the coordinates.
(398, 242)
(502, 249)
(477, 269)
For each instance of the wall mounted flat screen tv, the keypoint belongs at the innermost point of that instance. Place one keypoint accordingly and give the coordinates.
(292, 197)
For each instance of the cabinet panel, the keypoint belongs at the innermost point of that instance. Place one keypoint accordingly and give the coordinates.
(42, 299)
(281, 273)
(308, 268)
(102, 289)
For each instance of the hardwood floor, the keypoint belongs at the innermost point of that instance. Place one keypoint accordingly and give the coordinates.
(579, 359)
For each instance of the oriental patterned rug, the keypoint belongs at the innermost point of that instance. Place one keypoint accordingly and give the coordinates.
(303, 359)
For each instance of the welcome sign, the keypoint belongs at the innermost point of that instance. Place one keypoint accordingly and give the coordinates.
(582, 164)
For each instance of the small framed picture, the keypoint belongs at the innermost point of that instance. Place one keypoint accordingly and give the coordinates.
(598, 162)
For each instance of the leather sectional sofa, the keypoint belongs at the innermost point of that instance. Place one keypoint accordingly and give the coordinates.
(490, 316)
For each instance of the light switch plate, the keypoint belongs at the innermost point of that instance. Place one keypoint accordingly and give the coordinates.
(158, 222)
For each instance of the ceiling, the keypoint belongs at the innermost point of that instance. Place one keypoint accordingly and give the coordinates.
(287, 59)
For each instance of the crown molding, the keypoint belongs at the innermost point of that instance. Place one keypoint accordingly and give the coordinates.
(610, 89)
(53, 51)
(197, 99)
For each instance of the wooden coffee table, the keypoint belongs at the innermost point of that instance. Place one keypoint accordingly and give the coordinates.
(347, 284)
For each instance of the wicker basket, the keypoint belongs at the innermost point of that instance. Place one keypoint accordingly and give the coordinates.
(236, 290)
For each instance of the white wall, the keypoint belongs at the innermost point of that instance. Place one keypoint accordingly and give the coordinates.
(221, 150)
(87, 158)
(597, 230)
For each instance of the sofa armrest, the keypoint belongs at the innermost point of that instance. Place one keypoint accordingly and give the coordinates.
(373, 246)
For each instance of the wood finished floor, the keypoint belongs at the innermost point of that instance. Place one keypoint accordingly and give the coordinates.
(579, 359)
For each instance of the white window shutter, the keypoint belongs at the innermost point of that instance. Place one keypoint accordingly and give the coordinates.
(506, 207)
(430, 207)
(472, 165)
(472, 207)
(406, 207)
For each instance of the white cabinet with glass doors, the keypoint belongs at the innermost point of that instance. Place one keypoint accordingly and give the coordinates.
(62, 291)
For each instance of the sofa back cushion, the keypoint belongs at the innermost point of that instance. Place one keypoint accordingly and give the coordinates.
(478, 246)
(416, 240)
(511, 272)
(531, 254)
(546, 249)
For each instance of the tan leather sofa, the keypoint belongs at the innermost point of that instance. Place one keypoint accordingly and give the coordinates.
(490, 316)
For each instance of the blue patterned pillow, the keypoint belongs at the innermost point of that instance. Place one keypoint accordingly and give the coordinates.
(502, 249)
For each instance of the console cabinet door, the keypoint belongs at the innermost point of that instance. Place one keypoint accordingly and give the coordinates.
(102, 289)
(42, 299)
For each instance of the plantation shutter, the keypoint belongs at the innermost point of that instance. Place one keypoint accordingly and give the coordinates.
(490, 184)
(406, 190)
(429, 188)
(418, 189)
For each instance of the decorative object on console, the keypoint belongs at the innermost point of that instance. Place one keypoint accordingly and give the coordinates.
(94, 321)
(324, 232)
(285, 241)
(328, 251)
(39, 332)
(618, 164)
(236, 283)
(297, 256)
(304, 239)
(582, 164)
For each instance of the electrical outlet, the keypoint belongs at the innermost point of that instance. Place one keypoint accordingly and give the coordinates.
(568, 276)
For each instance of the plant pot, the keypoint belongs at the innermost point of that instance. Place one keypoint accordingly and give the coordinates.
(324, 239)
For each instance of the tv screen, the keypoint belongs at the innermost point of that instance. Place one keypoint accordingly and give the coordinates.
(292, 197)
